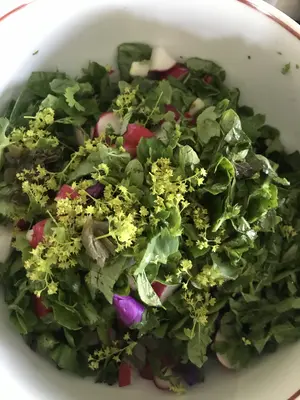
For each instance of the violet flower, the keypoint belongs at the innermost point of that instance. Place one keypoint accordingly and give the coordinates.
(96, 190)
(128, 309)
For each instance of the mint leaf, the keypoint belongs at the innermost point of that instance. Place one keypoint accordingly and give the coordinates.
(188, 157)
(135, 173)
(65, 357)
(128, 53)
(158, 250)
(4, 141)
(104, 279)
(197, 346)
(66, 317)
(146, 292)
(206, 67)
(70, 97)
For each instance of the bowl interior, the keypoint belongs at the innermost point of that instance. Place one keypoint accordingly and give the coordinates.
(67, 36)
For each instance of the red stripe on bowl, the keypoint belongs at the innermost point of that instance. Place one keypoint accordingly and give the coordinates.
(295, 396)
(13, 11)
(275, 18)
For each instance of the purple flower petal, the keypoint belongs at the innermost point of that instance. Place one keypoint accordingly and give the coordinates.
(128, 309)
(96, 190)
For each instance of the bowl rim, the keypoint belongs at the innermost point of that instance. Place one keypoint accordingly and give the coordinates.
(260, 6)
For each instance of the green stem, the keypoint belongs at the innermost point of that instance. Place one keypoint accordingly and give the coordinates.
(156, 104)
(51, 216)
(103, 236)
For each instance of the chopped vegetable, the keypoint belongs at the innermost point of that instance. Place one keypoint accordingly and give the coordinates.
(178, 71)
(161, 60)
(133, 136)
(66, 192)
(286, 68)
(140, 68)
(36, 234)
(107, 120)
(124, 374)
(146, 372)
(40, 309)
(164, 291)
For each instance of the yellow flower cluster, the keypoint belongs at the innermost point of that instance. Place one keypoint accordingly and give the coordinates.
(36, 183)
(168, 189)
(37, 133)
(126, 100)
(198, 305)
(209, 277)
(113, 352)
(57, 249)
(288, 231)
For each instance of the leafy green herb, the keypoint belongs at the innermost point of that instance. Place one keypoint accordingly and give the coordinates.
(286, 68)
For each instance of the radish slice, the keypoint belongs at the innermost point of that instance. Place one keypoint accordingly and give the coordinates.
(36, 234)
(163, 291)
(178, 72)
(161, 60)
(6, 234)
(208, 79)
(29, 235)
(169, 107)
(39, 307)
(133, 136)
(107, 119)
(222, 357)
(112, 334)
(196, 106)
(140, 68)
(124, 375)
(162, 384)
(23, 225)
(66, 192)
(147, 373)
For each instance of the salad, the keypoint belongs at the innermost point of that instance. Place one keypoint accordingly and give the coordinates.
(148, 221)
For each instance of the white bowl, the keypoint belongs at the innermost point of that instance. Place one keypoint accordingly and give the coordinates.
(68, 34)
